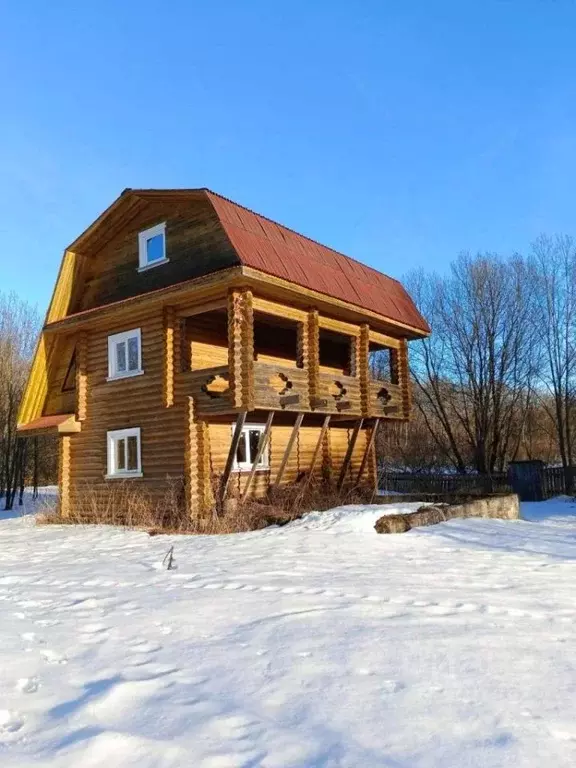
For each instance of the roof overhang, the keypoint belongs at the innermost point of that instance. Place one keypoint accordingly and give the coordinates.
(201, 288)
(60, 424)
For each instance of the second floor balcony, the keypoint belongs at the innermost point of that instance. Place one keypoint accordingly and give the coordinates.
(254, 355)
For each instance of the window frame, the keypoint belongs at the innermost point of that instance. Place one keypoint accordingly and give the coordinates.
(71, 370)
(246, 466)
(119, 338)
(112, 438)
(143, 237)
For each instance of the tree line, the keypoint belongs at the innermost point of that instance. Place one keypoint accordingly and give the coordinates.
(22, 461)
(496, 380)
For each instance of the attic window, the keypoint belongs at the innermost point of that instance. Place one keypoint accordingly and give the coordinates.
(69, 384)
(152, 247)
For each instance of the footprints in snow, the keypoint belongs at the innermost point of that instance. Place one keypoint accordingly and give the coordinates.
(52, 657)
(433, 609)
(10, 723)
(28, 685)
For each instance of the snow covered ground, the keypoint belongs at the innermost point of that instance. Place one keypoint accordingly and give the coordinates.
(318, 644)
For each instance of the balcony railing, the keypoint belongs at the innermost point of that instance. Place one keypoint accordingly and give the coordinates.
(338, 394)
(286, 389)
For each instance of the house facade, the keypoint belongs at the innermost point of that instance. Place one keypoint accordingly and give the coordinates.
(189, 339)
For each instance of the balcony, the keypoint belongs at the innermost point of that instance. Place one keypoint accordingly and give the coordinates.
(254, 355)
(278, 388)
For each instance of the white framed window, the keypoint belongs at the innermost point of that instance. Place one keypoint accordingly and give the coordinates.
(152, 247)
(125, 354)
(248, 447)
(124, 453)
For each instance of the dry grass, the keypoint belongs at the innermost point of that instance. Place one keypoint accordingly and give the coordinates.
(123, 503)
(129, 505)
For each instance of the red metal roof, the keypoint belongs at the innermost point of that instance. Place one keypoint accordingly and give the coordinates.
(269, 247)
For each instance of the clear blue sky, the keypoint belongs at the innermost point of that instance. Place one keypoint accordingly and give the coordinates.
(398, 131)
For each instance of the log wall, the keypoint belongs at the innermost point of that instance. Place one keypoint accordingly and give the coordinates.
(195, 244)
(185, 432)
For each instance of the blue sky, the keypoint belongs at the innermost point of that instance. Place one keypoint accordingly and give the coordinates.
(399, 131)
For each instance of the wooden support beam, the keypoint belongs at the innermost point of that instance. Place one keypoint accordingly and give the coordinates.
(197, 463)
(170, 323)
(363, 369)
(190, 310)
(313, 356)
(262, 443)
(338, 326)
(384, 341)
(81, 376)
(288, 451)
(64, 475)
(349, 452)
(241, 348)
(404, 379)
(284, 311)
(317, 451)
(225, 479)
(302, 352)
(369, 448)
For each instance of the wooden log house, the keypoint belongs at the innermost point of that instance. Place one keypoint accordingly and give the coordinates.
(189, 337)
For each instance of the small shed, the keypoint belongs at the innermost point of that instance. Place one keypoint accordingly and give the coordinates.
(527, 479)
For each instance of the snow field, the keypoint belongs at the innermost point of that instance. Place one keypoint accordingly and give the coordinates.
(317, 644)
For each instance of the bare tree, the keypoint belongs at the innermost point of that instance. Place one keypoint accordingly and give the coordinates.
(553, 284)
(474, 375)
(19, 323)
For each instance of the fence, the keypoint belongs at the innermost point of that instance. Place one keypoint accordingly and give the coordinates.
(554, 482)
(410, 482)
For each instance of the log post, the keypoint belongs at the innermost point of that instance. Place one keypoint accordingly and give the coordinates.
(170, 323)
(64, 479)
(404, 379)
(303, 356)
(81, 376)
(363, 347)
(241, 348)
(197, 463)
(313, 356)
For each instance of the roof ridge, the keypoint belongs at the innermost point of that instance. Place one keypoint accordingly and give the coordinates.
(298, 234)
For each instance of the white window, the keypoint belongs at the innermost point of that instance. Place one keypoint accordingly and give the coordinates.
(125, 354)
(124, 456)
(152, 247)
(248, 447)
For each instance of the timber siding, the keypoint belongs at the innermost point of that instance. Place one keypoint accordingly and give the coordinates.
(138, 402)
(196, 245)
